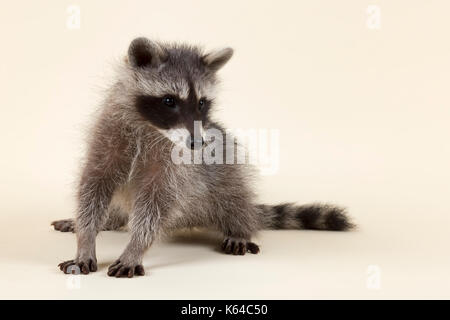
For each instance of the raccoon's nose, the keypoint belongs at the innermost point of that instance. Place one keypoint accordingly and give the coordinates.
(194, 143)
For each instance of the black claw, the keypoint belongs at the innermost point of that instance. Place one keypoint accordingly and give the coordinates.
(92, 266)
(236, 247)
(228, 247)
(242, 249)
(253, 248)
(84, 268)
(224, 244)
(118, 270)
(139, 270)
(111, 272)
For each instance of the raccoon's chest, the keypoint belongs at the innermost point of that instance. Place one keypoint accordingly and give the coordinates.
(191, 205)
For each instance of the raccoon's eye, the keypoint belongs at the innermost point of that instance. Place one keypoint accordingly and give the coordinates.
(201, 104)
(169, 101)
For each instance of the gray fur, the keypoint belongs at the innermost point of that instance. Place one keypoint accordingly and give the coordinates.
(128, 171)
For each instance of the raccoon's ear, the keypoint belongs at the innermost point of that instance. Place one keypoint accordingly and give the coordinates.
(145, 53)
(217, 59)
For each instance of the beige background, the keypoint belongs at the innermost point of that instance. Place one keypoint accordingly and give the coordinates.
(363, 116)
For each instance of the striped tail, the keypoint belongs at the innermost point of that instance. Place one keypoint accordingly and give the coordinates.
(313, 216)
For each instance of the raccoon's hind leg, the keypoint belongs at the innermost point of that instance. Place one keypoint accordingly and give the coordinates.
(65, 225)
(116, 220)
(238, 226)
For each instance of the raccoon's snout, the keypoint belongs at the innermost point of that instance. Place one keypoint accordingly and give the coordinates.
(194, 143)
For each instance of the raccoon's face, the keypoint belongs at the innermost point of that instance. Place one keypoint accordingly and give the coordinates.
(175, 87)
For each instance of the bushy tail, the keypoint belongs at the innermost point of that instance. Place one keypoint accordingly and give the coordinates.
(313, 216)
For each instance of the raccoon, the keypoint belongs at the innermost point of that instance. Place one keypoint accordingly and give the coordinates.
(129, 176)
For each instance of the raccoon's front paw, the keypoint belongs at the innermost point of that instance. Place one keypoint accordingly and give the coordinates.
(120, 269)
(78, 266)
(239, 246)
